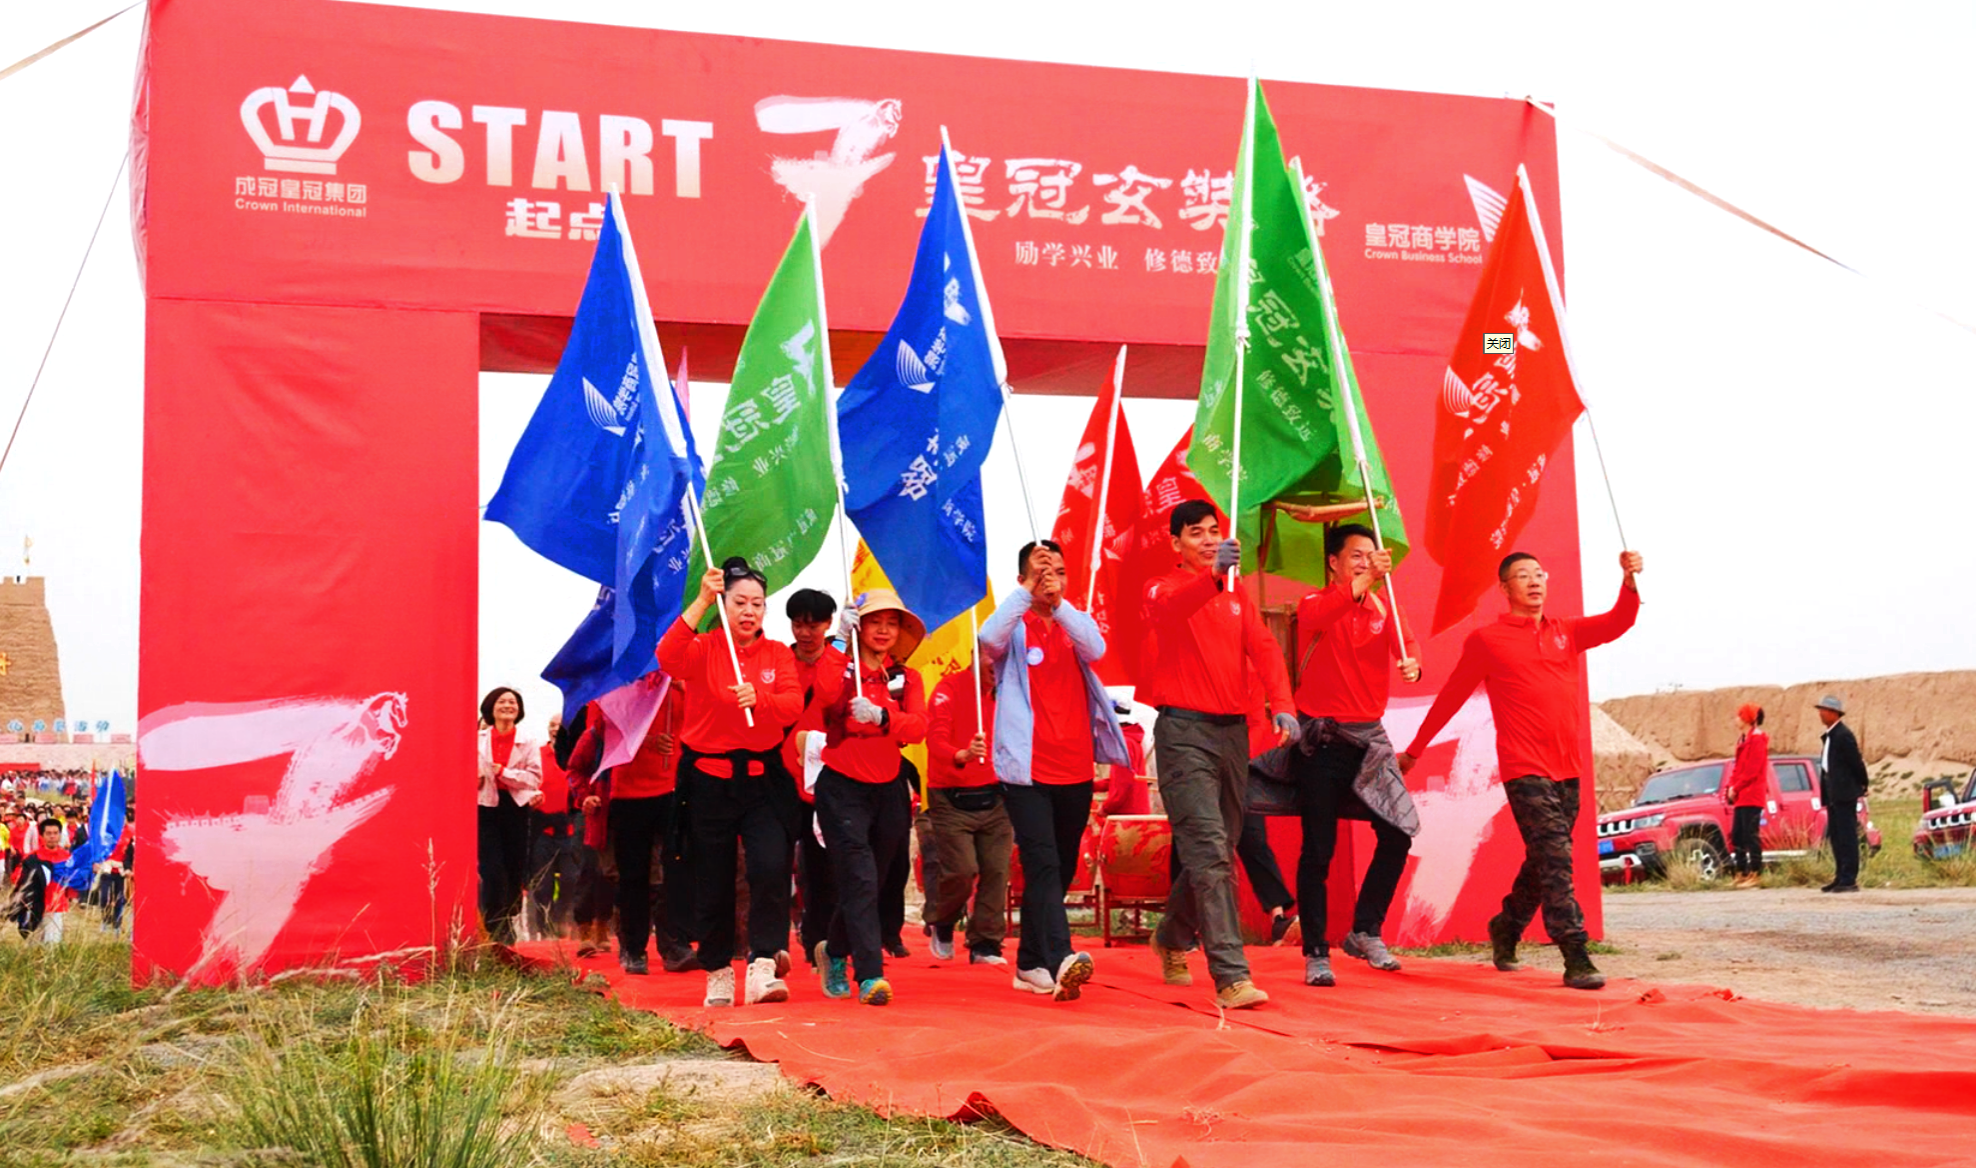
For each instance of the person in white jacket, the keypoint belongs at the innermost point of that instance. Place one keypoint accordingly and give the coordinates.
(510, 780)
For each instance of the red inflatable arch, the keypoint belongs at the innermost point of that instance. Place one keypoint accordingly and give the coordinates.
(346, 213)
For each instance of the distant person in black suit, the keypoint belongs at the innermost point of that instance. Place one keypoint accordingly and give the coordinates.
(1843, 782)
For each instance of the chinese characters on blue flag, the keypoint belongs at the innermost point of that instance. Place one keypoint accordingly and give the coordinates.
(916, 422)
(597, 480)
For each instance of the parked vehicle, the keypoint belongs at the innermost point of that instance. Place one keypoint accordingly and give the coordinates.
(1948, 817)
(1679, 813)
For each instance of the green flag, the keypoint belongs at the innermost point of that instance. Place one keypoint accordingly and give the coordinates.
(771, 489)
(1297, 549)
(1274, 331)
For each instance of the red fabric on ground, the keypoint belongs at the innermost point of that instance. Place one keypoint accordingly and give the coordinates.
(1443, 1063)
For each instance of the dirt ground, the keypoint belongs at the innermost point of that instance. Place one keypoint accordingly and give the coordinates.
(1887, 949)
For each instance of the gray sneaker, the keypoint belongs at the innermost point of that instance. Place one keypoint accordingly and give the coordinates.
(942, 942)
(1372, 950)
(1317, 971)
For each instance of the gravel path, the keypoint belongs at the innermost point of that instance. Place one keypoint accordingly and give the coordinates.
(1888, 949)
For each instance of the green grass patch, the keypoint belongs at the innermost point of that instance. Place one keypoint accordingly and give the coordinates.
(456, 1071)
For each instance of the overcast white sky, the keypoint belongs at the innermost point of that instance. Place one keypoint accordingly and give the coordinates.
(1790, 443)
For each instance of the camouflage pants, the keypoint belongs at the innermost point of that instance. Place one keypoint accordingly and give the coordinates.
(1545, 812)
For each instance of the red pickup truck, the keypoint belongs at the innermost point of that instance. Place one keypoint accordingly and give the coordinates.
(1680, 813)
(1947, 820)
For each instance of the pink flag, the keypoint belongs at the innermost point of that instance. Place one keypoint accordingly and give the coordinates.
(628, 712)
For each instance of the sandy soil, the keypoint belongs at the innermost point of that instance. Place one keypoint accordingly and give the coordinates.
(1888, 949)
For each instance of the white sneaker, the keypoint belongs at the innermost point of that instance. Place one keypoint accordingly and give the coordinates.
(720, 986)
(1035, 981)
(763, 984)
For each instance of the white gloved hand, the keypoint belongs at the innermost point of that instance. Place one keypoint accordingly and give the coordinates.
(863, 709)
(847, 627)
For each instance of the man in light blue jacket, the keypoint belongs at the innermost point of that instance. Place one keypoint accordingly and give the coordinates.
(1053, 723)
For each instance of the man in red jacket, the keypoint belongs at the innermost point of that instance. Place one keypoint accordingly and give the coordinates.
(971, 828)
(1205, 630)
(1530, 663)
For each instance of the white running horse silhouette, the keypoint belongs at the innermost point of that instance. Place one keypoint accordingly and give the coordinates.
(837, 176)
(263, 857)
(1454, 819)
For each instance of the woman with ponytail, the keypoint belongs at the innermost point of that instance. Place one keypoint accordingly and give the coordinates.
(732, 785)
(1748, 790)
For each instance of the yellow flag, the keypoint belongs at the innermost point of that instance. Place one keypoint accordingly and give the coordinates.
(947, 649)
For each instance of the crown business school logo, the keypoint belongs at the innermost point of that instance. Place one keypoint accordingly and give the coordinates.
(304, 131)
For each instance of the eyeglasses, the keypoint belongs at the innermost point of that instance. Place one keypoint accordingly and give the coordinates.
(1528, 577)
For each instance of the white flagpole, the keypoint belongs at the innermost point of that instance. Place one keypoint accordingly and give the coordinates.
(974, 659)
(1104, 481)
(1564, 340)
(648, 338)
(830, 405)
(1348, 391)
(994, 338)
(1248, 183)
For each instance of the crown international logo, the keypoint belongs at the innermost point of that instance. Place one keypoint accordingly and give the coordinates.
(300, 106)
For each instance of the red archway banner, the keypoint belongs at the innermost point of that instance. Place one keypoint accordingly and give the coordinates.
(347, 211)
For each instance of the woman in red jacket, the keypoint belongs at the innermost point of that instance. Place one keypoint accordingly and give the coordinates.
(863, 810)
(1747, 790)
(731, 782)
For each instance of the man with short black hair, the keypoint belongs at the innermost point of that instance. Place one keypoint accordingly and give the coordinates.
(1842, 781)
(1203, 630)
(1529, 661)
(1053, 723)
(1343, 763)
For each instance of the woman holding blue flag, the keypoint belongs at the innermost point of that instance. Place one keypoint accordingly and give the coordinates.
(872, 709)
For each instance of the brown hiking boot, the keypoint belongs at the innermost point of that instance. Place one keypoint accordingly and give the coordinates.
(1502, 944)
(1173, 964)
(1239, 995)
(1579, 972)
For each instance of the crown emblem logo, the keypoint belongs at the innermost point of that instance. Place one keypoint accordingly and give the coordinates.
(309, 155)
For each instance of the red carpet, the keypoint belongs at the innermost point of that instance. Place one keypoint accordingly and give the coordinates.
(1442, 1063)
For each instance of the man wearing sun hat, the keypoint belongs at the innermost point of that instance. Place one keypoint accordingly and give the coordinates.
(1842, 784)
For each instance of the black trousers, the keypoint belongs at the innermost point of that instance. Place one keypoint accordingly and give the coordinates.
(892, 894)
(816, 877)
(1842, 832)
(1324, 796)
(1049, 821)
(864, 829)
(637, 824)
(554, 839)
(1265, 876)
(1746, 837)
(720, 813)
(503, 856)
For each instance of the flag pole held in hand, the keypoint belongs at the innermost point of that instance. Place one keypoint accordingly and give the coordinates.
(1348, 395)
(1104, 482)
(1564, 343)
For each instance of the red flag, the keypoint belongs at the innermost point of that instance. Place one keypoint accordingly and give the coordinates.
(1107, 443)
(1150, 556)
(1503, 410)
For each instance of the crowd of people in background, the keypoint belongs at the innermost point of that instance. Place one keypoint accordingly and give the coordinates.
(774, 793)
(44, 819)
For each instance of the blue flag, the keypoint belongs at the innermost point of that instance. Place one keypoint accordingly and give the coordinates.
(921, 413)
(597, 480)
(590, 665)
(106, 826)
(935, 554)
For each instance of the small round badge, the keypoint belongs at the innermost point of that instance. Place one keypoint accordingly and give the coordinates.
(1035, 655)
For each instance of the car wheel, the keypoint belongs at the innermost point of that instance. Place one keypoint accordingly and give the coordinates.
(1702, 854)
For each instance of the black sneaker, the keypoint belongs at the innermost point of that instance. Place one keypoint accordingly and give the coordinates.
(679, 959)
(897, 948)
(1279, 927)
(1843, 888)
(634, 964)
